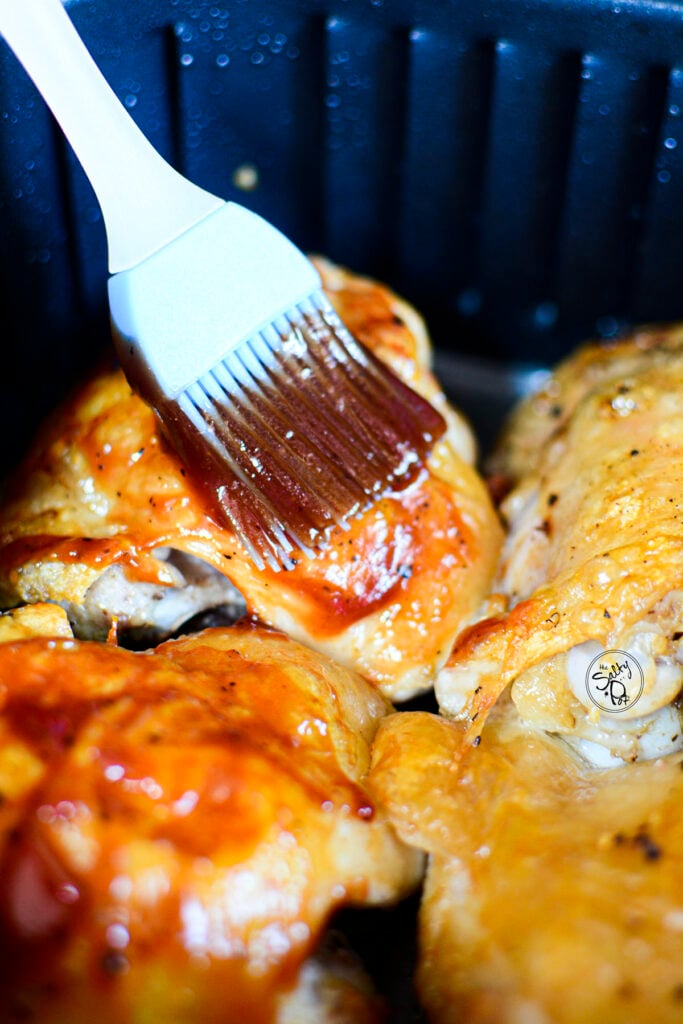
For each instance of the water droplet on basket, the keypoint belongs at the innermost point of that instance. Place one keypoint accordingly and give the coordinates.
(469, 301)
(670, 143)
(545, 315)
(607, 326)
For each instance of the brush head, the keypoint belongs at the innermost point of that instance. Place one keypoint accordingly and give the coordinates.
(290, 425)
(297, 430)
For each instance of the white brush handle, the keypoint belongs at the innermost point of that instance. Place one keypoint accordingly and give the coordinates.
(145, 202)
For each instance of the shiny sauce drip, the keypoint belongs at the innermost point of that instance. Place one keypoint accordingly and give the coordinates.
(318, 437)
(404, 551)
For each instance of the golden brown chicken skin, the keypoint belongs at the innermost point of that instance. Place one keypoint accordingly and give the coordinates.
(545, 412)
(553, 891)
(593, 559)
(104, 519)
(177, 826)
(551, 822)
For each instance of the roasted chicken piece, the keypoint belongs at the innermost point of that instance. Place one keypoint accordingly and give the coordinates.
(589, 592)
(177, 827)
(33, 620)
(553, 890)
(105, 520)
(549, 807)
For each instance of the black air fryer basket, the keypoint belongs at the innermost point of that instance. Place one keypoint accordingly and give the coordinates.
(512, 167)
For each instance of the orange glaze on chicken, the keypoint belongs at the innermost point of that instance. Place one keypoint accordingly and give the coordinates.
(101, 489)
(177, 826)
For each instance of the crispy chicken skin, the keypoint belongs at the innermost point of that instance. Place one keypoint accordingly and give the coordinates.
(535, 419)
(104, 519)
(33, 620)
(553, 891)
(177, 826)
(552, 825)
(593, 559)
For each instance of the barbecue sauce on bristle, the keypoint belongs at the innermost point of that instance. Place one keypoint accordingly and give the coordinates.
(321, 436)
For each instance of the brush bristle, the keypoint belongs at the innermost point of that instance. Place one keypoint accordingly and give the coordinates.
(297, 430)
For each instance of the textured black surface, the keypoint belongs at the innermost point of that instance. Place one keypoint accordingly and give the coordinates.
(513, 166)
(385, 941)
